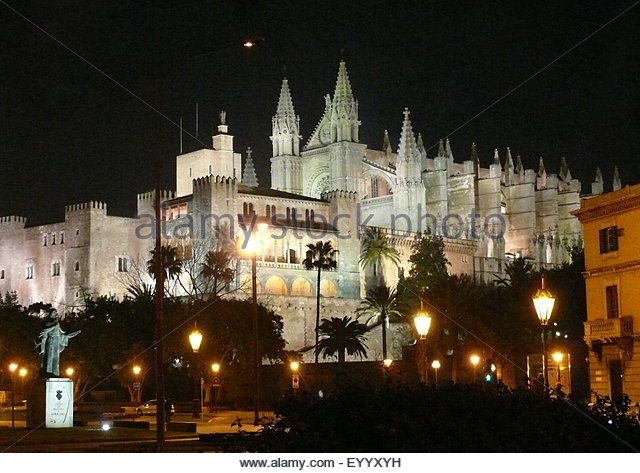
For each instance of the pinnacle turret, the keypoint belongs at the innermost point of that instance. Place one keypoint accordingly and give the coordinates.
(496, 157)
(285, 135)
(407, 149)
(342, 96)
(564, 173)
(420, 145)
(541, 170)
(441, 149)
(249, 177)
(474, 153)
(386, 143)
(409, 164)
(519, 166)
(597, 186)
(617, 183)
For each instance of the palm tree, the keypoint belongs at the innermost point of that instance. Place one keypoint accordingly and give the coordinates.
(384, 303)
(342, 336)
(216, 271)
(171, 264)
(376, 248)
(320, 256)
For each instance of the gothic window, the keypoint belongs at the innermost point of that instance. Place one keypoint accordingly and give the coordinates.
(251, 211)
(123, 265)
(44, 240)
(62, 238)
(273, 210)
(1, 273)
(245, 208)
(268, 211)
(288, 214)
(608, 240)
(29, 271)
(53, 238)
(76, 266)
(292, 257)
(77, 231)
(374, 187)
(55, 269)
(612, 302)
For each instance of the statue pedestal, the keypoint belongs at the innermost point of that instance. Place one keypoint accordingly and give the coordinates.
(50, 404)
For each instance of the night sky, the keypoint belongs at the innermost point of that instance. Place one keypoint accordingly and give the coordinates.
(69, 134)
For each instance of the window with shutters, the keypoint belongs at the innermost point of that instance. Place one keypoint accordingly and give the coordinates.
(608, 240)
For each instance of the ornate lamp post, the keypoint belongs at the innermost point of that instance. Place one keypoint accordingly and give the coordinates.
(251, 247)
(12, 368)
(215, 367)
(543, 302)
(475, 359)
(422, 321)
(435, 365)
(295, 376)
(195, 339)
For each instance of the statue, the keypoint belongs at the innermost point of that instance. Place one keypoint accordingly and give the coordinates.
(223, 117)
(52, 342)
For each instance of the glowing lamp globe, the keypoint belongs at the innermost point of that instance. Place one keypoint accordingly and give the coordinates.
(422, 321)
(195, 339)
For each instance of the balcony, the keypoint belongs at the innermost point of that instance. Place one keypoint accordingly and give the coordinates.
(608, 330)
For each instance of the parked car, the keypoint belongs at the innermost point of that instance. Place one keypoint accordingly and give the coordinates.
(151, 408)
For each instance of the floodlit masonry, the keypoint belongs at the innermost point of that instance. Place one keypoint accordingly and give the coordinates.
(333, 186)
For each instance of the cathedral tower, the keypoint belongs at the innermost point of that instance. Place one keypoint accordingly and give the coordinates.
(286, 168)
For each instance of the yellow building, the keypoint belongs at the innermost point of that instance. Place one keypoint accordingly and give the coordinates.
(611, 230)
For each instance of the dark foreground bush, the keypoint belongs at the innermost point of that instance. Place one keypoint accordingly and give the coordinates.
(456, 418)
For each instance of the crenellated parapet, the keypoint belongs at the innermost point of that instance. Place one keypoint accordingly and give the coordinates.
(12, 219)
(91, 205)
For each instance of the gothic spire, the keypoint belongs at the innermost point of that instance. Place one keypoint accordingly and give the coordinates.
(386, 143)
(249, 177)
(597, 186)
(496, 157)
(447, 150)
(441, 149)
(519, 166)
(407, 149)
(541, 169)
(474, 153)
(420, 145)
(617, 183)
(342, 94)
(285, 125)
(508, 161)
(564, 173)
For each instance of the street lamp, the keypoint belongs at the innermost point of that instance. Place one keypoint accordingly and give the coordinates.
(215, 367)
(422, 321)
(251, 247)
(295, 376)
(69, 371)
(137, 388)
(543, 302)
(13, 367)
(475, 359)
(435, 365)
(195, 339)
(557, 357)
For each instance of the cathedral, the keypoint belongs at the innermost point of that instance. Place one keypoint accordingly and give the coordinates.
(331, 188)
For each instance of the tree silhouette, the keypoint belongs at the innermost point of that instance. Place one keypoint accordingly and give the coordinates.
(384, 304)
(341, 336)
(320, 256)
(375, 249)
